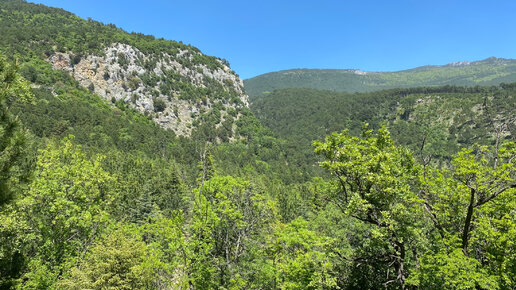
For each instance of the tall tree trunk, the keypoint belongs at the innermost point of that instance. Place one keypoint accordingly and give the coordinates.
(467, 222)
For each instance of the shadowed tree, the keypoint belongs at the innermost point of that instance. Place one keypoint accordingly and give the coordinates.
(12, 137)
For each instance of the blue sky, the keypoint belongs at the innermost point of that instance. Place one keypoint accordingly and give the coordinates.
(262, 36)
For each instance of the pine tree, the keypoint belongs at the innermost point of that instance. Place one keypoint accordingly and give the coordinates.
(12, 137)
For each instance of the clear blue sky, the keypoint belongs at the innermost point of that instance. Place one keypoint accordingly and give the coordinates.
(262, 36)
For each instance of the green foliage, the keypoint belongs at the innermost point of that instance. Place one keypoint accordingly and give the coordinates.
(452, 271)
(491, 71)
(437, 228)
(175, 83)
(49, 29)
(472, 207)
(122, 204)
(378, 188)
(122, 60)
(298, 258)
(117, 261)
(93, 123)
(159, 105)
(13, 138)
(447, 118)
(229, 219)
(63, 210)
(147, 188)
(12, 84)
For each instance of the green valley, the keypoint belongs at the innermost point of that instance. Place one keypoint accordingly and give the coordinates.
(133, 162)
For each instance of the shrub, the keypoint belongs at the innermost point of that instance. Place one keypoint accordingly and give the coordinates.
(159, 105)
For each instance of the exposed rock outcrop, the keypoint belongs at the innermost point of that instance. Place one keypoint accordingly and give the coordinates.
(173, 89)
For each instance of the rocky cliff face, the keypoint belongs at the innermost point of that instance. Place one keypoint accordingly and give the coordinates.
(174, 90)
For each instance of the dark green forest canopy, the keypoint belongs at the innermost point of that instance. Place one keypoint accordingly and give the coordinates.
(448, 118)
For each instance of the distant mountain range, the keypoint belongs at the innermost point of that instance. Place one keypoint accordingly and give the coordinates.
(490, 71)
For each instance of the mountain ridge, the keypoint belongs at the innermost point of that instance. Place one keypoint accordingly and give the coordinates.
(489, 71)
(450, 64)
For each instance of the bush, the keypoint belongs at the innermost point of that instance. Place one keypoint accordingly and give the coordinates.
(159, 105)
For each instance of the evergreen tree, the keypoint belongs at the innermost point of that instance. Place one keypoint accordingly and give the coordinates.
(13, 138)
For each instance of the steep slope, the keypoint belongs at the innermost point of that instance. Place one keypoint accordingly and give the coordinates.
(174, 84)
(491, 71)
(133, 93)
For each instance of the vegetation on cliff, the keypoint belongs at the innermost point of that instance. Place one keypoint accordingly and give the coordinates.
(94, 194)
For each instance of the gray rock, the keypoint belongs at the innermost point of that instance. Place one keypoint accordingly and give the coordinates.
(111, 80)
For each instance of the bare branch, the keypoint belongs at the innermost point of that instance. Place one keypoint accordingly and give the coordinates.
(433, 217)
(494, 195)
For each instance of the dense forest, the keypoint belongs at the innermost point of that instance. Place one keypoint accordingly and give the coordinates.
(401, 189)
(447, 118)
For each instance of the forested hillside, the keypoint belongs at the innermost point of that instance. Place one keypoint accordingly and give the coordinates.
(174, 84)
(447, 118)
(98, 192)
(491, 71)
